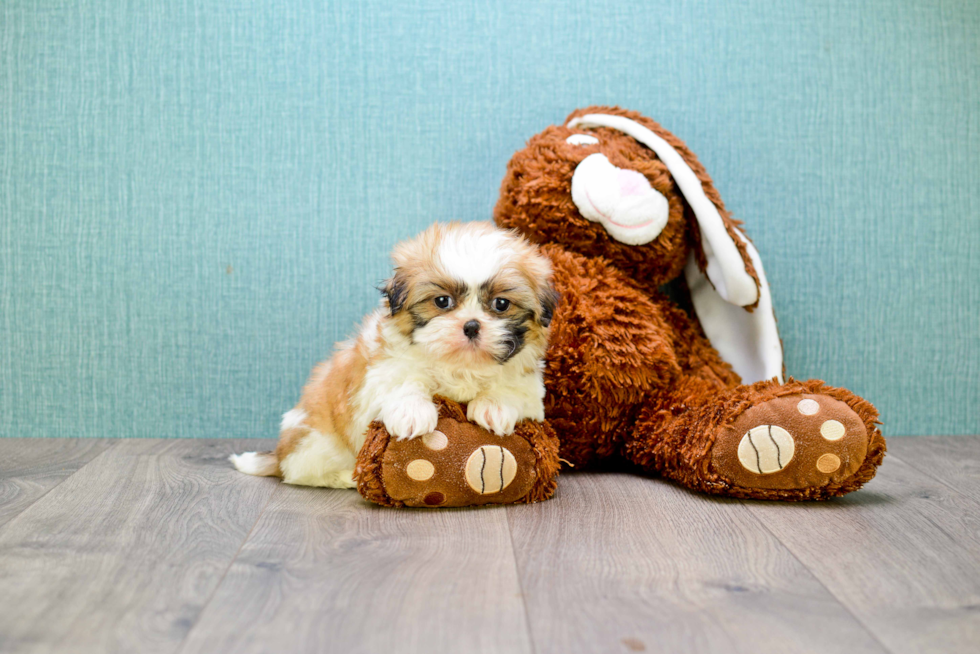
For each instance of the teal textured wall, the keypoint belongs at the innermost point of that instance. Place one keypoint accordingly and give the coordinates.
(196, 199)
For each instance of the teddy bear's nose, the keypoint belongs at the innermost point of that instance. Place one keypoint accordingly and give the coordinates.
(632, 182)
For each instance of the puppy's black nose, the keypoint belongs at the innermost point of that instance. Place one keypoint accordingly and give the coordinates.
(471, 329)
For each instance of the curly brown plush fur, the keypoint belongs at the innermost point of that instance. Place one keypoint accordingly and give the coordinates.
(631, 374)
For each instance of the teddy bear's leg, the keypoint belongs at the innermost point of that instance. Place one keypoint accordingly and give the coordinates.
(793, 441)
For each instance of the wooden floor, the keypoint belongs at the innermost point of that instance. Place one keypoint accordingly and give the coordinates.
(159, 546)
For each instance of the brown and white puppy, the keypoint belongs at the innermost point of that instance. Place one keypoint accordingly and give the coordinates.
(465, 315)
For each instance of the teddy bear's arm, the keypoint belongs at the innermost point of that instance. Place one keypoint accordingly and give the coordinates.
(611, 347)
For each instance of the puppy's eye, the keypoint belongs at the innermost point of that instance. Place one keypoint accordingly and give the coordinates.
(443, 301)
(500, 304)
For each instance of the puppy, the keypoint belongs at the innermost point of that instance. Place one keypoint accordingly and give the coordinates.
(465, 315)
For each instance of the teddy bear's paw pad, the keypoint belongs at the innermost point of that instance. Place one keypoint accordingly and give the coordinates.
(458, 464)
(766, 449)
(490, 469)
(792, 442)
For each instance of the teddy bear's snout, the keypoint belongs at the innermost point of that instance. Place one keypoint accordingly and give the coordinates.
(621, 200)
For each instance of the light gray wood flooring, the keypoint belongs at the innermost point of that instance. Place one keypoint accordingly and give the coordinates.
(159, 546)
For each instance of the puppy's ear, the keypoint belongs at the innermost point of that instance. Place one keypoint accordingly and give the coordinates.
(537, 270)
(396, 291)
(549, 299)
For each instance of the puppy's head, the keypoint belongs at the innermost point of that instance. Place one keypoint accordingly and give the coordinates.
(472, 293)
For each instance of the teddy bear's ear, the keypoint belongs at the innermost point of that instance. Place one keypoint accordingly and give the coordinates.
(749, 341)
(725, 272)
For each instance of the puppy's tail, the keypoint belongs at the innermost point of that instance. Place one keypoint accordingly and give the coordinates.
(260, 464)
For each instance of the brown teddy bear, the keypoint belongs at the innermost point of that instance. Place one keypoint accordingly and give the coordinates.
(664, 350)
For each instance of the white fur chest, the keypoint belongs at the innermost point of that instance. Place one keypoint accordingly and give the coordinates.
(464, 385)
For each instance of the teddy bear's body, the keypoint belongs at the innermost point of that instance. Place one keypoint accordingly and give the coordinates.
(631, 373)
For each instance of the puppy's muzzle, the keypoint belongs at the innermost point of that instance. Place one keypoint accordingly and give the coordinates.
(621, 200)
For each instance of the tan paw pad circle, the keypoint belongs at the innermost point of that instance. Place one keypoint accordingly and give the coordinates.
(490, 469)
(808, 407)
(435, 441)
(832, 430)
(766, 449)
(828, 463)
(420, 470)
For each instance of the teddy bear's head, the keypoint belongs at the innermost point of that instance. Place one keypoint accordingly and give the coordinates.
(612, 183)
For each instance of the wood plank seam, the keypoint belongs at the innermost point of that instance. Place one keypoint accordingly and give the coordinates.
(128, 549)
(902, 554)
(45, 493)
(813, 573)
(930, 475)
(520, 583)
(224, 574)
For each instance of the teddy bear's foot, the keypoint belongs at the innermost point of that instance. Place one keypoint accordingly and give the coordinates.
(792, 442)
(458, 464)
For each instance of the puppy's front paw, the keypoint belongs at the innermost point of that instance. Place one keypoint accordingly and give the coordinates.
(493, 416)
(410, 418)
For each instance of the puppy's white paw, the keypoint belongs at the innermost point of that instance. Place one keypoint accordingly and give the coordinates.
(407, 419)
(493, 416)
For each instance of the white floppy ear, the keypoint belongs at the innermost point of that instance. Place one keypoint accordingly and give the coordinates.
(725, 268)
(748, 340)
